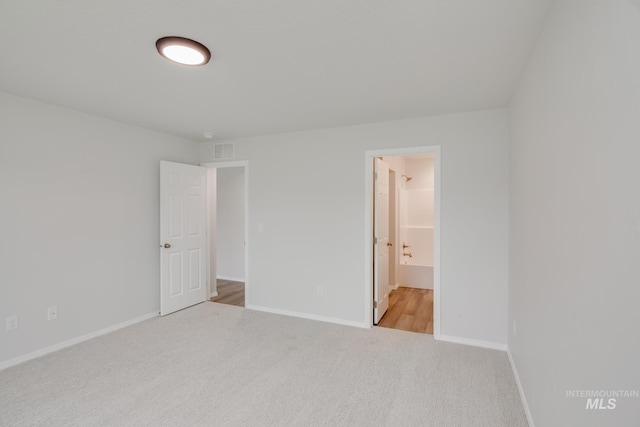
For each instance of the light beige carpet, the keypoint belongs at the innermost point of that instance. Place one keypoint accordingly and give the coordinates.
(220, 365)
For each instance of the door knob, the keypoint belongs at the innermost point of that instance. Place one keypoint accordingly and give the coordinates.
(167, 245)
(389, 244)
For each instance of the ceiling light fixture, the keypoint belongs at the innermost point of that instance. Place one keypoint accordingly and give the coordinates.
(183, 51)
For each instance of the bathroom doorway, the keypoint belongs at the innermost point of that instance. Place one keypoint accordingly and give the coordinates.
(405, 222)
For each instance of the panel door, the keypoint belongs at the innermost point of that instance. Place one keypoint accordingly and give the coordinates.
(183, 236)
(381, 240)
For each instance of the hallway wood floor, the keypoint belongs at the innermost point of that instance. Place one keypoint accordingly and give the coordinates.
(410, 309)
(230, 292)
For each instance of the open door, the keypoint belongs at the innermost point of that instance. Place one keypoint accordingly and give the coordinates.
(381, 241)
(183, 244)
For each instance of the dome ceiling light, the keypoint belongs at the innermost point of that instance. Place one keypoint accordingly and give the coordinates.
(183, 51)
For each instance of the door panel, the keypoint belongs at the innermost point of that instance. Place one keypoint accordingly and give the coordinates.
(381, 240)
(183, 236)
(195, 258)
(195, 224)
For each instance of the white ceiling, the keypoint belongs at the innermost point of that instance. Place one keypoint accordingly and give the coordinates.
(277, 66)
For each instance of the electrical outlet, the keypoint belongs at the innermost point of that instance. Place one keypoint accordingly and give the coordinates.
(52, 313)
(12, 322)
(319, 291)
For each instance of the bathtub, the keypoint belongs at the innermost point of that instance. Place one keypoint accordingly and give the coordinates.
(416, 276)
(416, 271)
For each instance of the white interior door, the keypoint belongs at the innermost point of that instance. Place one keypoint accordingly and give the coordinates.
(183, 237)
(380, 240)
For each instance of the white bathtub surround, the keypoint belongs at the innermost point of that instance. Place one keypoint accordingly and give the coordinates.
(417, 210)
(416, 224)
(417, 271)
(416, 276)
(419, 242)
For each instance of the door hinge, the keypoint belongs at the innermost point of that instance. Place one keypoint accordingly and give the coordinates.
(375, 240)
(375, 304)
(375, 175)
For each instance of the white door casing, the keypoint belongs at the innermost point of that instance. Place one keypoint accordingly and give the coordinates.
(183, 236)
(380, 240)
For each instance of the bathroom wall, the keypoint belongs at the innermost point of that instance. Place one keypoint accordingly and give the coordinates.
(415, 220)
(420, 169)
(416, 211)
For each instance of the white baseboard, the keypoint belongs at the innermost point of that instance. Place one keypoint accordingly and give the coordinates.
(38, 353)
(475, 343)
(233, 279)
(521, 390)
(308, 316)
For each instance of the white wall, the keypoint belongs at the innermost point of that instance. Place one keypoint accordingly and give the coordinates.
(420, 169)
(307, 189)
(575, 214)
(416, 213)
(80, 222)
(230, 223)
(417, 206)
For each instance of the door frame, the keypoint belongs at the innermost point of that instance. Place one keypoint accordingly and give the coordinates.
(230, 164)
(368, 223)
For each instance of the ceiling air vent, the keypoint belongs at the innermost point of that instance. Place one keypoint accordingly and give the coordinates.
(223, 151)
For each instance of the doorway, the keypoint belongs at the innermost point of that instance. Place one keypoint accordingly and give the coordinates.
(227, 213)
(403, 234)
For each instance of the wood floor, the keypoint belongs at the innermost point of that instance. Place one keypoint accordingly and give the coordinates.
(410, 309)
(230, 292)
